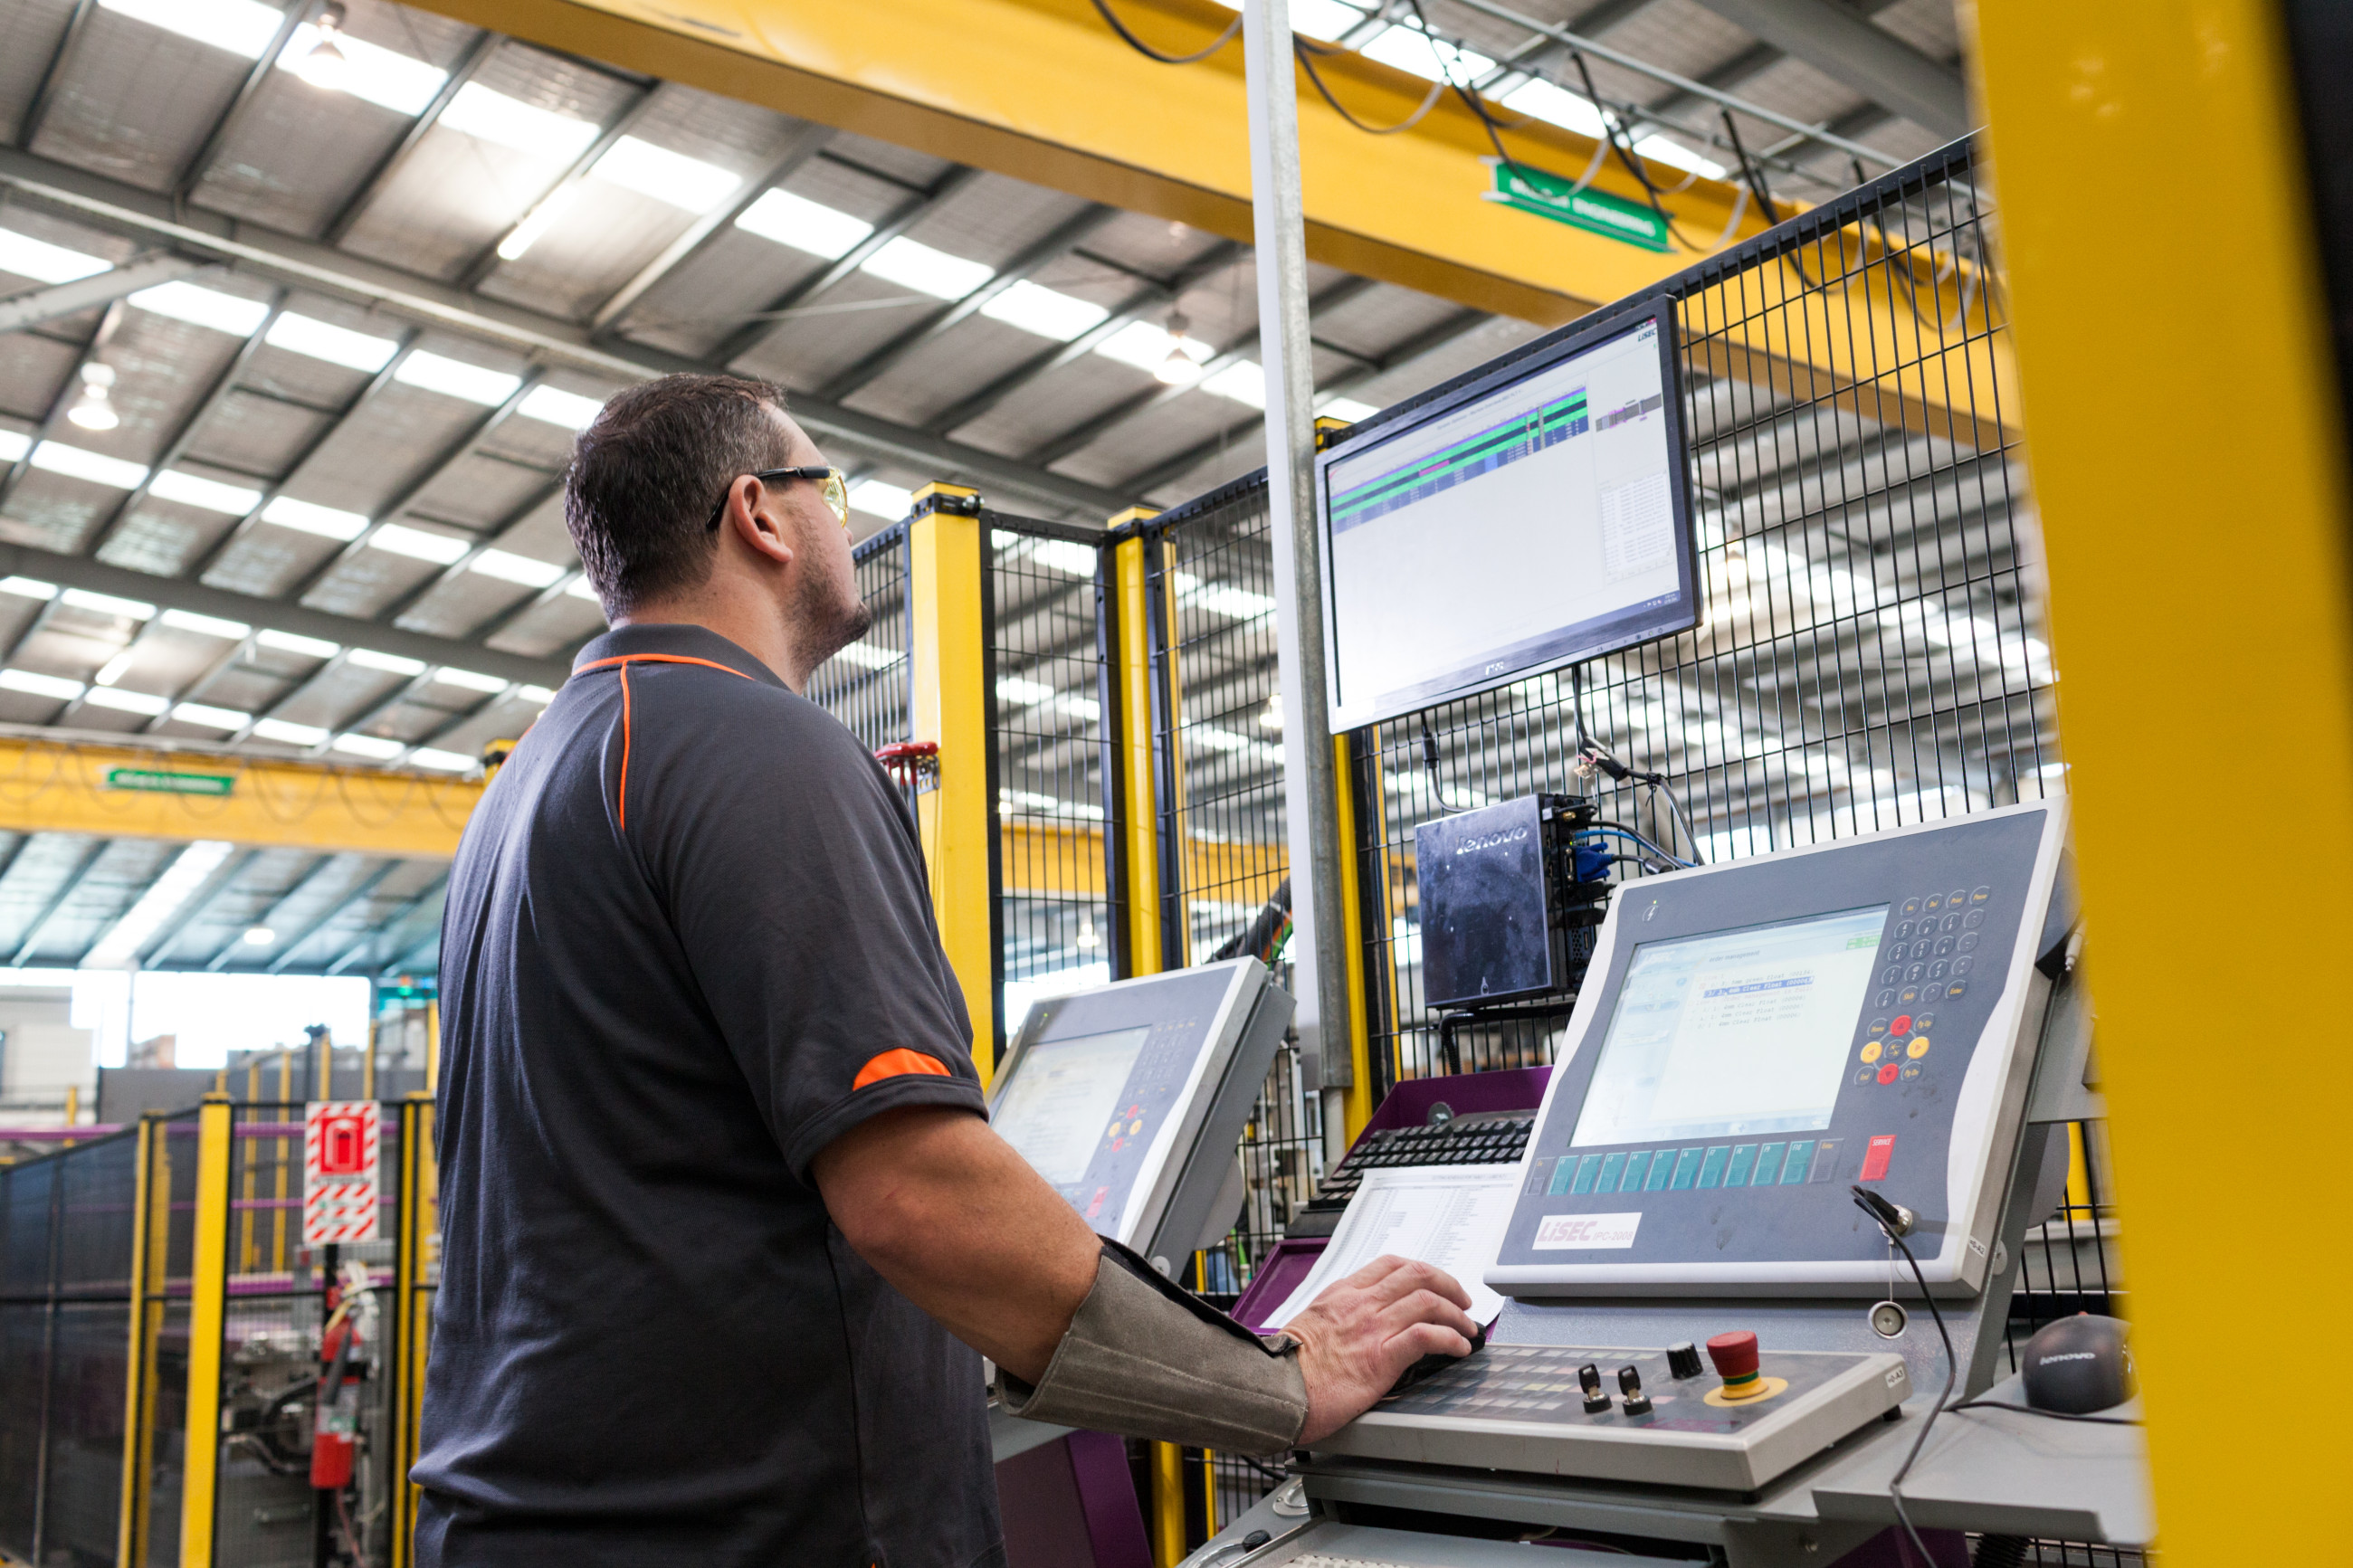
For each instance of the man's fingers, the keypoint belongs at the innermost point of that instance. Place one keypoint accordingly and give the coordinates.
(1425, 1307)
(1389, 1278)
(1420, 1340)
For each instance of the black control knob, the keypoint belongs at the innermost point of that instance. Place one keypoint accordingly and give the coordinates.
(1630, 1383)
(1682, 1360)
(1588, 1378)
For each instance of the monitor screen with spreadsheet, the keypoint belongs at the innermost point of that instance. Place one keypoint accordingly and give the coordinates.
(1529, 520)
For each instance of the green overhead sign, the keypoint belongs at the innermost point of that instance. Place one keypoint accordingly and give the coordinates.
(160, 782)
(1548, 195)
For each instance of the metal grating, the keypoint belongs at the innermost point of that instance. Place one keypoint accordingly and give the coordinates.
(869, 684)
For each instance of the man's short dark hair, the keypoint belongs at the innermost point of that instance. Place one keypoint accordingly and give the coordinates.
(647, 472)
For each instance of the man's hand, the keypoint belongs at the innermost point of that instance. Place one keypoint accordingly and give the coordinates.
(1357, 1338)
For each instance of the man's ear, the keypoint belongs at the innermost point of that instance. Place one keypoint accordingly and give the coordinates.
(756, 517)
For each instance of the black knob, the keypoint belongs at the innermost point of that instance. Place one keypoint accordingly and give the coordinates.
(1588, 1378)
(1682, 1360)
(1630, 1383)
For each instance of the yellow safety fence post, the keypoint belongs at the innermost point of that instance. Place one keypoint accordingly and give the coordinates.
(1132, 679)
(208, 1321)
(151, 1216)
(951, 700)
(1356, 1100)
(411, 1316)
(2189, 468)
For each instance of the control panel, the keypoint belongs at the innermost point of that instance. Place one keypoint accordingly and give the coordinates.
(1483, 1138)
(1611, 1413)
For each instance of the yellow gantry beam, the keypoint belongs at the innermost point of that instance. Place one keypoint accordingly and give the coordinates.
(2192, 485)
(125, 792)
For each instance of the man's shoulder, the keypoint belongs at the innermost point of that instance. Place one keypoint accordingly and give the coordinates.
(732, 716)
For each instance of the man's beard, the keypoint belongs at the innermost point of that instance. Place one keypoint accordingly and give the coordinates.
(823, 625)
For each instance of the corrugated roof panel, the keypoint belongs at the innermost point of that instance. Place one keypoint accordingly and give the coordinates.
(137, 101)
(54, 512)
(256, 433)
(31, 32)
(166, 537)
(702, 302)
(33, 366)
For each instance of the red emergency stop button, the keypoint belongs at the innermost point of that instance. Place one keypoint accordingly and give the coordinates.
(1734, 1355)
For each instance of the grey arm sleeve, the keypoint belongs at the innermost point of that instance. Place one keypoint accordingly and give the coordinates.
(1142, 1360)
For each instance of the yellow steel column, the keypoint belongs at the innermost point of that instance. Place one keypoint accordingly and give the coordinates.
(148, 1216)
(208, 1320)
(951, 708)
(1139, 837)
(1358, 1099)
(2231, 546)
(411, 1316)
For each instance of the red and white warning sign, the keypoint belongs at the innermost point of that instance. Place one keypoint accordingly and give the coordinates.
(339, 1172)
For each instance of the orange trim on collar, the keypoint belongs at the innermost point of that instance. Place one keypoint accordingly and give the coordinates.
(623, 658)
(901, 1063)
(621, 661)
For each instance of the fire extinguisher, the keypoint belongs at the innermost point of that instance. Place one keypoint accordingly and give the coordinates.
(334, 1435)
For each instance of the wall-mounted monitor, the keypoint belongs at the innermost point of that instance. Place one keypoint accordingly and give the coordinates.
(1533, 519)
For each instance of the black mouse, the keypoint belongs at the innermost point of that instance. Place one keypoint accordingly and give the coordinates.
(1437, 1361)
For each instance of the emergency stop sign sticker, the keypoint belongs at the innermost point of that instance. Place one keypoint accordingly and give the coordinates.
(339, 1171)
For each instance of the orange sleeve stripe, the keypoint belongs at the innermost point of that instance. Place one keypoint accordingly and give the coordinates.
(901, 1063)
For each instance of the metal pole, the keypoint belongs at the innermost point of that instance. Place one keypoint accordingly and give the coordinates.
(1312, 809)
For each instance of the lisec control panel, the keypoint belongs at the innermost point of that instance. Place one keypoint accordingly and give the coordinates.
(1754, 1038)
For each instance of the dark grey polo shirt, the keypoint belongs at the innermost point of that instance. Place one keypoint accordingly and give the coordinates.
(688, 944)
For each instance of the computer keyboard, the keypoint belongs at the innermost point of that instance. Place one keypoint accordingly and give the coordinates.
(1488, 1137)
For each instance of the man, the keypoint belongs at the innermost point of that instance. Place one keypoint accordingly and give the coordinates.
(723, 1226)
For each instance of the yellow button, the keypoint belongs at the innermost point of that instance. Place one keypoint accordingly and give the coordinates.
(1136, 1126)
(1917, 1048)
(1871, 1052)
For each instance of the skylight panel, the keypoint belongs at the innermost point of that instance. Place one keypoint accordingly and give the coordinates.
(210, 717)
(381, 76)
(243, 27)
(210, 625)
(568, 409)
(375, 748)
(390, 663)
(1324, 19)
(1237, 603)
(1411, 49)
(470, 679)
(804, 225)
(106, 604)
(581, 589)
(440, 549)
(1028, 693)
(1045, 312)
(913, 265)
(508, 567)
(1348, 408)
(145, 703)
(511, 122)
(1242, 381)
(539, 694)
(440, 761)
(44, 263)
(456, 378)
(56, 458)
(866, 656)
(326, 521)
(537, 221)
(1555, 105)
(28, 588)
(1660, 150)
(287, 733)
(1065, 555)
(294, 642)
(337, 345)
(209, 494)
(666, 176)
(1147, 346)
(36, 685)
(14, 443)
(203, 306)
(876, 499)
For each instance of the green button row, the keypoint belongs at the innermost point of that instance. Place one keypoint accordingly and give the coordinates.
(1681, 1170)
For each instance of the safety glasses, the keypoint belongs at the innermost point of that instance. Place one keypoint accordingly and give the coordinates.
(831, 484)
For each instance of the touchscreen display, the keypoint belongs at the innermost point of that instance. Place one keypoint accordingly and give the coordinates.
(1055, 1110)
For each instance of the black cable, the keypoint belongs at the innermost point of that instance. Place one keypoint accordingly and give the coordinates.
(2047, 1414)
(1882, 1211)
(1754, 173)
(1306, 55)
(1674, 860)
(1429, 765)
(1102, 8)
(1610, 131)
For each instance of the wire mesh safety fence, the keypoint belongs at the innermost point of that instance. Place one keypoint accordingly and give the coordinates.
(869, 684)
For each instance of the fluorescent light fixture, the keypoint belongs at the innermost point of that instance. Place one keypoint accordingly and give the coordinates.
(537, 221)
(804, 225)
(292, 642)
(1044, 312)
(1324, 19)
(288, 734)
(568, 409)
(1225, 599)
(666, 176)
(243, 27)
(1659, 149)
(74, 463)
(28, 588)
(876, 499)
(375, 748)
(1028, 693)
(441, 549)
(211, 718)
(456, 378)
(509, 567)
(1242, 381)
(107, 605)
(866, 656)
(913, 265)
(440, 761)
(114, 668)
(144, 703)
(390, 663)
(211, 494)
(539, 694)
(470, 681)
(210, 625)
(1147, 346)
(1555, 105)
(301, 334)
(1410, 49)
(14, 443)
(1065, 555)
(202, 306)
(381, 76)
(511, 122)
(177, 884)
(36, 685)
(326, 521)
(1348, 408)
(44, 263)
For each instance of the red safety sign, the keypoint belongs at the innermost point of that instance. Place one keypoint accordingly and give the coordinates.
(339, 1172)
